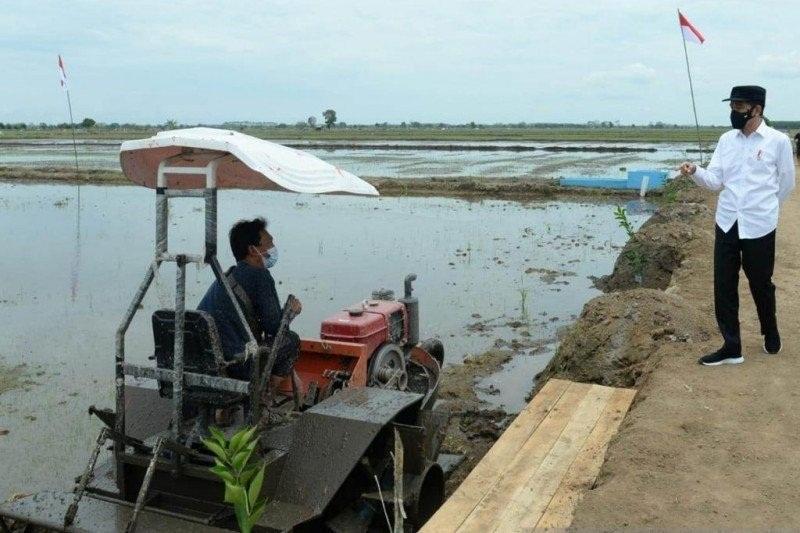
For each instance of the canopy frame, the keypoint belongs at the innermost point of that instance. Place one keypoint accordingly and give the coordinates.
(177, 375)
(254, 164)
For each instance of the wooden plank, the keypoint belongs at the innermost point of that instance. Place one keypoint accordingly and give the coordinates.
(455, 510)
(583, 471)
(518, 467)
(528, 502)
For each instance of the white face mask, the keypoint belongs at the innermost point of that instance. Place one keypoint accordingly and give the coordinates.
(270, 257)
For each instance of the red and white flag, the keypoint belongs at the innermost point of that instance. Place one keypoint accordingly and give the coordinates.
(690, 33)
(62, 74)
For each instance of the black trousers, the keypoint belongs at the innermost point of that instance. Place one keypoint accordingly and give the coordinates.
(757, 258)
(284, 360)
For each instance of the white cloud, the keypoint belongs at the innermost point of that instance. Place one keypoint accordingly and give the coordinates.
(634, 73)
(449, 60)
(780, 65)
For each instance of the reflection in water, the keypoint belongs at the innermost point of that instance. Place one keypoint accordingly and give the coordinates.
(474, 261)
(76, 262)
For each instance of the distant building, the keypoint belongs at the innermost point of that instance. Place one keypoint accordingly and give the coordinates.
(248, 124)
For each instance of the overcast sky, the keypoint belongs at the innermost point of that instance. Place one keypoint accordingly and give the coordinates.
(434, 60)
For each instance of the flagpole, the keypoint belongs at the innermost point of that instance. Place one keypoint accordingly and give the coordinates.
(72, 126)
(74, 275)
(691, 91)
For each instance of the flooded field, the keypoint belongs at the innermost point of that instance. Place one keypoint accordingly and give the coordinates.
(531, 159)
(489, 273)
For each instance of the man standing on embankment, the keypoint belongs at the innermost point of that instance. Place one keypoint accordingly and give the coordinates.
(753, 167)
(797, 143)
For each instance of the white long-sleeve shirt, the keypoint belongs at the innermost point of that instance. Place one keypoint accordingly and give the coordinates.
(755, 173)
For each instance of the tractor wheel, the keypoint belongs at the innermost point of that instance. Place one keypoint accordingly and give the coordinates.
(429, 496)
(387, 368)
(435, 348)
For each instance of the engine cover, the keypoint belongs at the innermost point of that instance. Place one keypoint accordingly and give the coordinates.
(379, 322)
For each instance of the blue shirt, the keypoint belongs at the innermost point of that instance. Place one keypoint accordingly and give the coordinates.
(260, 287)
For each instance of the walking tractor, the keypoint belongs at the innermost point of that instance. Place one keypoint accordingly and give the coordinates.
(349, 441)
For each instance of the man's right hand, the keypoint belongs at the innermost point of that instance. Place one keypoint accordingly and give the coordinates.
(296, 306)
(687, 169)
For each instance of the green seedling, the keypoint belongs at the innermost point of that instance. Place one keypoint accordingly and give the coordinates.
(635, 254)
(523, 297)
(242, 474)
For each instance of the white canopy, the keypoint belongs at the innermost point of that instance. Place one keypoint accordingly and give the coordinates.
(251, 163)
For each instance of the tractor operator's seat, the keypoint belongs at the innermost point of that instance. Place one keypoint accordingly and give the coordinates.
(202, 354)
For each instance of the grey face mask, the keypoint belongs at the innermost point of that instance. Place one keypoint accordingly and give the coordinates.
(270, 257)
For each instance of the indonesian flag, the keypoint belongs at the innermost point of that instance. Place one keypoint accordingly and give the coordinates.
(62, 74)
(690, 33)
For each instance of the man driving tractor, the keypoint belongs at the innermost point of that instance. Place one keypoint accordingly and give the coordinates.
(254, 287)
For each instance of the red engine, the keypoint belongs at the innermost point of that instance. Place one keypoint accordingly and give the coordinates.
(372, 323)
(368, 343)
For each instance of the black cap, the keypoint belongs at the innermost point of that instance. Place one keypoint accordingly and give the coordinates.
(748, 93)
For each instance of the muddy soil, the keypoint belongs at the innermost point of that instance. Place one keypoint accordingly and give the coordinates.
(518, 189)
(61, 175)
(616, 341)
(14, 377)
(464, 147)
(475, 424)
(702, 447)
(661, 241)
(618, 337)
(621, 336)
(469, 188)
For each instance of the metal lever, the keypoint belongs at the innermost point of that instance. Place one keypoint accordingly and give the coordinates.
(148, 477)
(287, 316)
(72, 510)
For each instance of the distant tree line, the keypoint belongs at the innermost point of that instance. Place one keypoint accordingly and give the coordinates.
(85, 124)
(785, 124)
(330, 121)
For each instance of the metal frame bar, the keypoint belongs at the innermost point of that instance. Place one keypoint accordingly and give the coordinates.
(119, 426)
(185, 193)
(72, 510)
(148, 477)
(190, 378)
(184, 258)
(177, 357)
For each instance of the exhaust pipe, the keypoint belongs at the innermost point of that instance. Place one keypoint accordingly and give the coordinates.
(412, 308)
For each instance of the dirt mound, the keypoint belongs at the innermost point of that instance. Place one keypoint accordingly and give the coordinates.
(661, 241)
(617, 338)
(712, 447)
(520, 189)
(61, 175)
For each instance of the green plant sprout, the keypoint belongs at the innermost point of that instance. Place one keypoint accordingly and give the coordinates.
(635, 254)
(523, 296)
(242, 474)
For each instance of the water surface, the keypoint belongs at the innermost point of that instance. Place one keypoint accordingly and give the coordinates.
(69, 275)
(405, 163)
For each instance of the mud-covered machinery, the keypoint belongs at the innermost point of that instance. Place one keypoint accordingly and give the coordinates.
(355, 444)
(373, 343)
